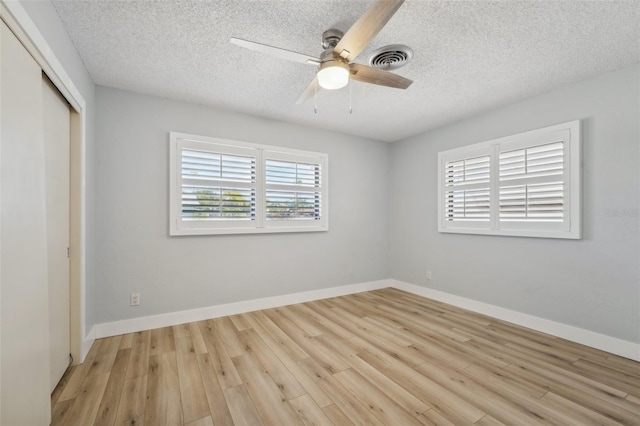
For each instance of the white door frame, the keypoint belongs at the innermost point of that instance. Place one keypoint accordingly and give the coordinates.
(17, 19)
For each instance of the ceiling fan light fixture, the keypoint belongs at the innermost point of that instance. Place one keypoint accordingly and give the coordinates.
(333, 75)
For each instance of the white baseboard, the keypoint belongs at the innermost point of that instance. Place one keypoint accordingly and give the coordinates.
(174, 318)
(603, 342)
(585, 337)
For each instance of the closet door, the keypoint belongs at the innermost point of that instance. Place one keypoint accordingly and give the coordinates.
(24, 346)
(56, 126)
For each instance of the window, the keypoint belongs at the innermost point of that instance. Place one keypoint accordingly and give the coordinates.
(293, 189)
(522, 185)
(220, 186)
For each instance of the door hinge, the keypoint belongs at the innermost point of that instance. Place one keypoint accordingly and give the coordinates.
(68, 252)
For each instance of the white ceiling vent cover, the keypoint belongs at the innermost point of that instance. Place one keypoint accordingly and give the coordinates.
(391, 57)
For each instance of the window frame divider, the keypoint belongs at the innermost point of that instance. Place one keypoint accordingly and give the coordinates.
(494, 184)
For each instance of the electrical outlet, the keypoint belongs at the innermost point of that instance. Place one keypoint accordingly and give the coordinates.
(429, 275)
(135, 299)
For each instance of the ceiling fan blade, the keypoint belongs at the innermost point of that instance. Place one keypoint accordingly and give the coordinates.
(366, 28)
(309, 91)
(377, 76)
(276, 51)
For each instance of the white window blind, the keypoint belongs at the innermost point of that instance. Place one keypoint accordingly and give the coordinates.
(218, 186)
(222, 187)
(467, 189)
(525, 185)
(293, 190)
(532, 184)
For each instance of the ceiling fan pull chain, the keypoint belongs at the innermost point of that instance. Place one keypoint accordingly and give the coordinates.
(350, 98)
(315, 97)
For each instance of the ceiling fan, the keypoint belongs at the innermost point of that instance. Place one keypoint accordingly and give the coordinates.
(335, 65)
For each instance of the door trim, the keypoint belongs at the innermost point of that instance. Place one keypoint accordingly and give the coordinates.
(17, 19)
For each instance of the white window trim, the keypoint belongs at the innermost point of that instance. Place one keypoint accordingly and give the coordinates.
(260, 225)
(571, 177)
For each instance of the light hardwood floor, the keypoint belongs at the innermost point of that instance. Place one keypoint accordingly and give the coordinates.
(381, 357)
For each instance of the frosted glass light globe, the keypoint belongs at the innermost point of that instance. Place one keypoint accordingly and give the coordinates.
(333, 75)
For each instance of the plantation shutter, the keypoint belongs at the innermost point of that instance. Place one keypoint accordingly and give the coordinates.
(532, 184)
(293, 189)
(467, 189)
(521, 185)
(217, 184)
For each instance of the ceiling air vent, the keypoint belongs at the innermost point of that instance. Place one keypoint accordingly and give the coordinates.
(391, 57)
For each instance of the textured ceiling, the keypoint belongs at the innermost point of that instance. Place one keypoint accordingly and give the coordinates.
(469, 56)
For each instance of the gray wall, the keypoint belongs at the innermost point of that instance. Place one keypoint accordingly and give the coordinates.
(44, 15)
(593, 283)
(177, 273)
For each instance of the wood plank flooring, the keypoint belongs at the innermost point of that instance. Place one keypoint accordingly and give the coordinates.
(380, 357)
